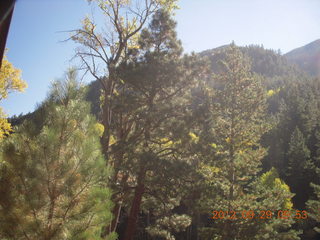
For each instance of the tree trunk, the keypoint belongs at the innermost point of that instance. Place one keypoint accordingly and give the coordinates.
(135, 208)
(106, 120)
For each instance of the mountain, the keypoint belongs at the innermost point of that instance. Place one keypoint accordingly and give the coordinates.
(274, 67)
(307, 57)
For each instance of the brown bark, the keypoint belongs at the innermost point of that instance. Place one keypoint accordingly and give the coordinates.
(135, 207)
(116, 213)
(106, 118)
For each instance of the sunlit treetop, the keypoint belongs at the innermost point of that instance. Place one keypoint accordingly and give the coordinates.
(124, 21)
(10, 79)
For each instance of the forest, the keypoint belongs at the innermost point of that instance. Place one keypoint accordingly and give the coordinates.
(162, 145)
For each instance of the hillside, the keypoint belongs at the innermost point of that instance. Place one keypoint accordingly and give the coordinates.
(292, 98)
(265, 62)
(306, 57)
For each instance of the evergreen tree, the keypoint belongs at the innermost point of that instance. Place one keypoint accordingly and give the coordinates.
(102, 52)
(273, 198)
(239, 121)
(240, 109)
(53, 179)
(300, 168)
(314, 207)
(148, 112)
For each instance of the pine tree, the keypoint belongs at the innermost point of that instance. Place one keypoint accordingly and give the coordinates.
(274, 198)
(240, 110)
(111, 47)
(146, 154)
(238, 123)
(314, 206)
(53, 179)
(300, 168)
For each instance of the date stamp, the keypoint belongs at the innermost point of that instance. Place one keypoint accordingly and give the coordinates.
(261, 214)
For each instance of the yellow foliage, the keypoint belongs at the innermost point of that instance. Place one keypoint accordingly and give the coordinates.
(166, 142)
(88, 25)
(228, 140)
(5, 126)
(287, 203)
(270, 93)
(10, 80)
(273, 92)
(213, 145)
(209, 172)
(112, 140)
(194, 137)
(271, 180)
(168, 5)
(99, 129)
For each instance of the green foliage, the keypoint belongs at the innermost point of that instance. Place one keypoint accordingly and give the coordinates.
(185, 146)
(298, 155)
(300, 168)
(237, 124)
(274, 195)
(272, 181)
(148, 126)
(306, 57)
(314, 206)
(53, 179)
(265, 62)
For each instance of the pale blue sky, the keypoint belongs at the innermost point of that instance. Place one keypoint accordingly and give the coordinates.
(35, 35)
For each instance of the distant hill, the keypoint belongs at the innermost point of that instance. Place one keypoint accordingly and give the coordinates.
(266, 62)
(307, 57)
(274, 67)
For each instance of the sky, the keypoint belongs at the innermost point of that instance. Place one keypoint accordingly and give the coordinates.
(38, 28)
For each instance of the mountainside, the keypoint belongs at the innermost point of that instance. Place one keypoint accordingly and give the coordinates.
(307, 57)
(229, 107)
(265, 62)
(274, 67)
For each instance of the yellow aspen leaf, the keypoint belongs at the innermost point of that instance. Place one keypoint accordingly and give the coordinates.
(213, 145)
(99, 129)
(270, 93)
(112, 140)
(194, 137)
(166, 142)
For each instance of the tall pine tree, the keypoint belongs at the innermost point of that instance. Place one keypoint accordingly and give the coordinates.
(300, 168)
(149, 109)
(238, 123)
(53, 178)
